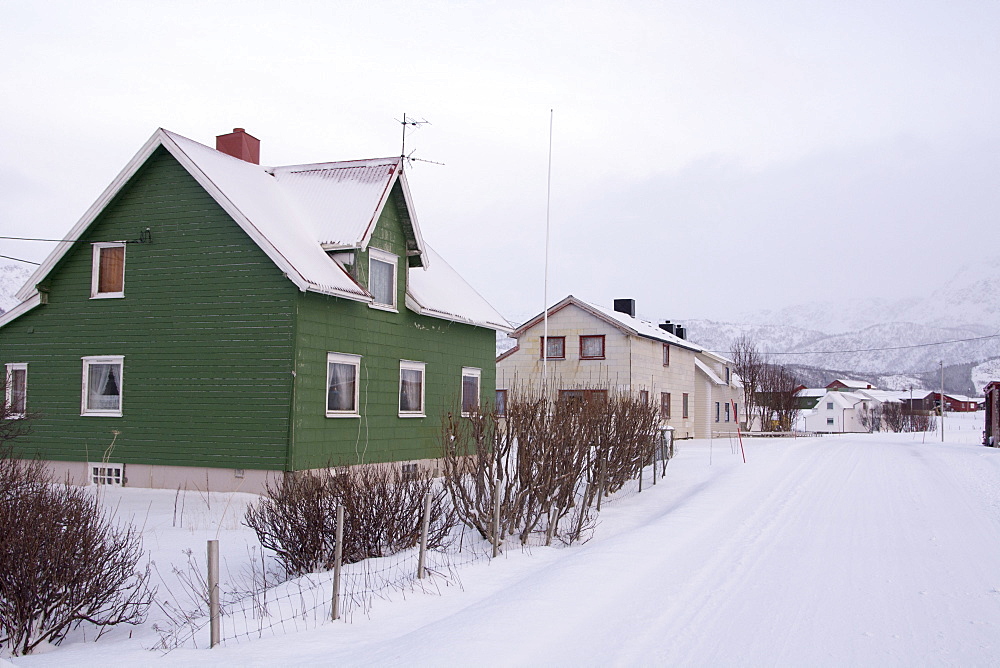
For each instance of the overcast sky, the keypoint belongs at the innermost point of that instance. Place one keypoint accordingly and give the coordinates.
(708, 158)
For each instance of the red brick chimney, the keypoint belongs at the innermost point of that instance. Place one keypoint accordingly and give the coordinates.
(239, 145)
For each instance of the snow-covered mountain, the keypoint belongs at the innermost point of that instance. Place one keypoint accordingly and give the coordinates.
(878, 336)
(970, 300)
(12, 278)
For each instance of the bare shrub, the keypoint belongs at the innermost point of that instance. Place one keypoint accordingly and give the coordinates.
(297, 520)
(63, 561)
(383, 514)
(544, 462)
(898, 418)
(384, 508)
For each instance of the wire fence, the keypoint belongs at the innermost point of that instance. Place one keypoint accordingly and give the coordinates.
(258, 601)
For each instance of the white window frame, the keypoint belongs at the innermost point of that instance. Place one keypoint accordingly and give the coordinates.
(379, 255)
(95, 272)
(471, 372)
(103, 359)
(11, 368)
(409, 365)
(103, 473)
(346, 359)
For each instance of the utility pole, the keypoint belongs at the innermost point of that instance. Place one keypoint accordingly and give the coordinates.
(942, 400)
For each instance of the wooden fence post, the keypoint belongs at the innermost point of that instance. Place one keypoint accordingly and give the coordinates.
(213, 593)
(496, 516)
(338, 558)
(422, 561)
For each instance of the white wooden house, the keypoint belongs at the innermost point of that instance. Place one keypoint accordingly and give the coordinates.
(593, 350)
(838, 411)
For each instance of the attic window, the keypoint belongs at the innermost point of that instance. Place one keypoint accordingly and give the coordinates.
(382, 278)
(108, 271)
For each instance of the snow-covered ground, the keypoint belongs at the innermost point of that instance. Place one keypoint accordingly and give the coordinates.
(868, 549)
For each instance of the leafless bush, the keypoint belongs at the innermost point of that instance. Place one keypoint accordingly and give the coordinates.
(384, 508)
(383, 512)
(63, 561)
(544, 463)
(897, 418)
(297, 520)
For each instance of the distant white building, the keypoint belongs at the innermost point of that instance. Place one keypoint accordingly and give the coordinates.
(838, 412)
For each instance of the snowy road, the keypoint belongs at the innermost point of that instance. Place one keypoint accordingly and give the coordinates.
(866, 550)
(874, 550)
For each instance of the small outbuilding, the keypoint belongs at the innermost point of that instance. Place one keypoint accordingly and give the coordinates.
(991, 434)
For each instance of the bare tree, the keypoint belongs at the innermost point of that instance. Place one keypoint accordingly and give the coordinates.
(777, 405)
(749, 363)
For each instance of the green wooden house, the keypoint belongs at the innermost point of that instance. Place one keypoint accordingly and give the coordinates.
(210, 321)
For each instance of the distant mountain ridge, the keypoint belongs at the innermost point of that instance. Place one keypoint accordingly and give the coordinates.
(877, 336)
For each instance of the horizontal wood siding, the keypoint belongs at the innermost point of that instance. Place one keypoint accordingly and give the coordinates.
(206, 328)
(327, 324)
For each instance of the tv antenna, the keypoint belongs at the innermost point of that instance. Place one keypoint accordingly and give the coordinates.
(413, 123)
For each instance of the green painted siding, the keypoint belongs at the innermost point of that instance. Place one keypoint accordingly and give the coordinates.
(382, 338)
(206, 328)
(210, 329)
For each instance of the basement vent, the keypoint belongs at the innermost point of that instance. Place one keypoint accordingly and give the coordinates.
(106, 474)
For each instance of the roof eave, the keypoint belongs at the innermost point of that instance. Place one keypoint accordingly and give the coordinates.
(26, 305)
(417, 307)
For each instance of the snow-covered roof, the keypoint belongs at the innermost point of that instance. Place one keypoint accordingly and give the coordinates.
(885, 396)
(623, 321)
(438, 290)
(812, 392)
(707, 370)
(854, 384)
(296, 214)
(845, 399)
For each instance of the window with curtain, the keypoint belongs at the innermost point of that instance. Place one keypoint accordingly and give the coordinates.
(665, 405)
(470, 390)
(554, 347)
(102, 386)
(411, 389)
(501, 403)
(592, 347)
(342, 386)
(108, 272)
(382, 277)
(17, 389)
